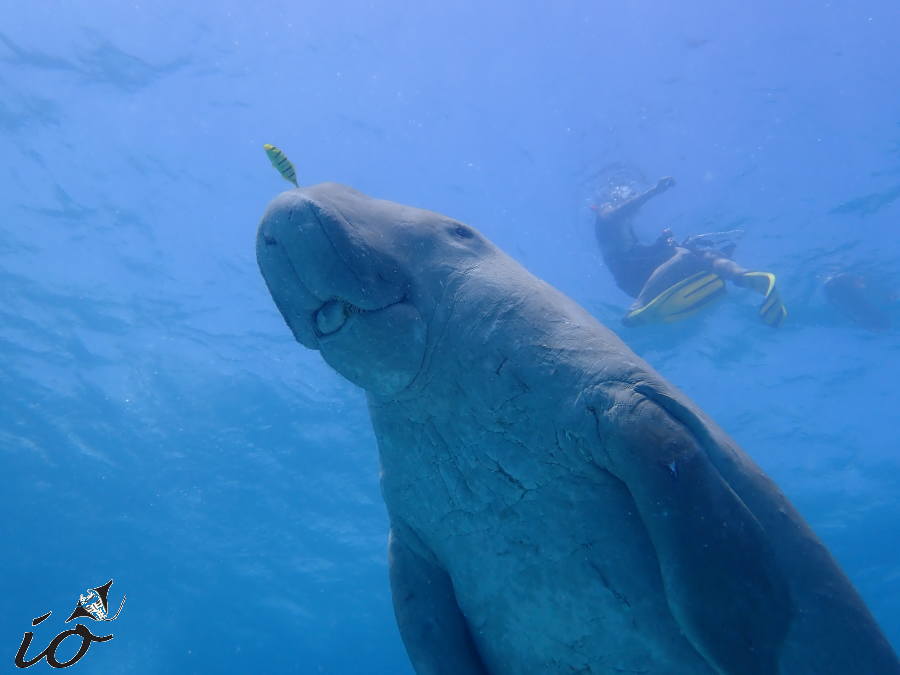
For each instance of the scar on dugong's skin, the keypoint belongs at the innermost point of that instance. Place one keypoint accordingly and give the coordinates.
(555, 505)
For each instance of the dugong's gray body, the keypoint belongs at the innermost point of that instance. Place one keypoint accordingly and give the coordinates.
(555, 505)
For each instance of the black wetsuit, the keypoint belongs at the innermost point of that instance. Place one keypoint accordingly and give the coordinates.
(633, 264)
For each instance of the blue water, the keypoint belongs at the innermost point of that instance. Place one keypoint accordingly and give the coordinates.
(159, 426)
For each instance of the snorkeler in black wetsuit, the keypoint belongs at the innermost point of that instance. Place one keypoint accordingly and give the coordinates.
(671, 281)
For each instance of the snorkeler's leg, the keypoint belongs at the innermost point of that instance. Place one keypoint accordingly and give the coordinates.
(677, 289)
(772, 311)
(726, 268)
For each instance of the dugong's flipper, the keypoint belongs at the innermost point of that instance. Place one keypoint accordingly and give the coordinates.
(721, 579)
(433, 628)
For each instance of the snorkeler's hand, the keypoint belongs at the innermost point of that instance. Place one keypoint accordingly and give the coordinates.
(665, 238)
(665, 183)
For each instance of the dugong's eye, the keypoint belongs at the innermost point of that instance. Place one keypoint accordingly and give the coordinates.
(462, 232)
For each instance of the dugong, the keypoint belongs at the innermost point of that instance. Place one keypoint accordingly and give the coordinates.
(555, 505)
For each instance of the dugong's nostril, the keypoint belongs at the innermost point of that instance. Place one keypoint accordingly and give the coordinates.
(270, 240)
(330, 317)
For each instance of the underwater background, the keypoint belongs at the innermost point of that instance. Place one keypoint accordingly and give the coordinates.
(160, 427)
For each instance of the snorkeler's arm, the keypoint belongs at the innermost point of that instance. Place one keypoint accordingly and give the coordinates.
(432, 626)
(630, 206)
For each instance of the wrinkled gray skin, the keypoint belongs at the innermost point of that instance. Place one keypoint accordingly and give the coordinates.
(555, 505)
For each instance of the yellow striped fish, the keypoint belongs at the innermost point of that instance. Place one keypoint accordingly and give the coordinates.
(281, 162)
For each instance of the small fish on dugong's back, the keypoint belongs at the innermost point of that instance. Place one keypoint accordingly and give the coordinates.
(555, 505)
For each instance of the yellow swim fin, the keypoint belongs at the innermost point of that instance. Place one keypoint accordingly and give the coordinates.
(281, 163)
(680, 300)
(772, 311)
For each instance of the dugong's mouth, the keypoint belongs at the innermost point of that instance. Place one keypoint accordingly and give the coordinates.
(308, 259)
(312, 319)
(333, 315)
(339, 286)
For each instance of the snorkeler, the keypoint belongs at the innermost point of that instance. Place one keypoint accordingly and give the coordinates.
(671, 281)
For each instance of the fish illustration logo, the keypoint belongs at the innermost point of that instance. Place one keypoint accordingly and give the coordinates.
(94, 604)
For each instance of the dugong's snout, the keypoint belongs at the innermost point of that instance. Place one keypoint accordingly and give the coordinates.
(338, 287)
(294, 300)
